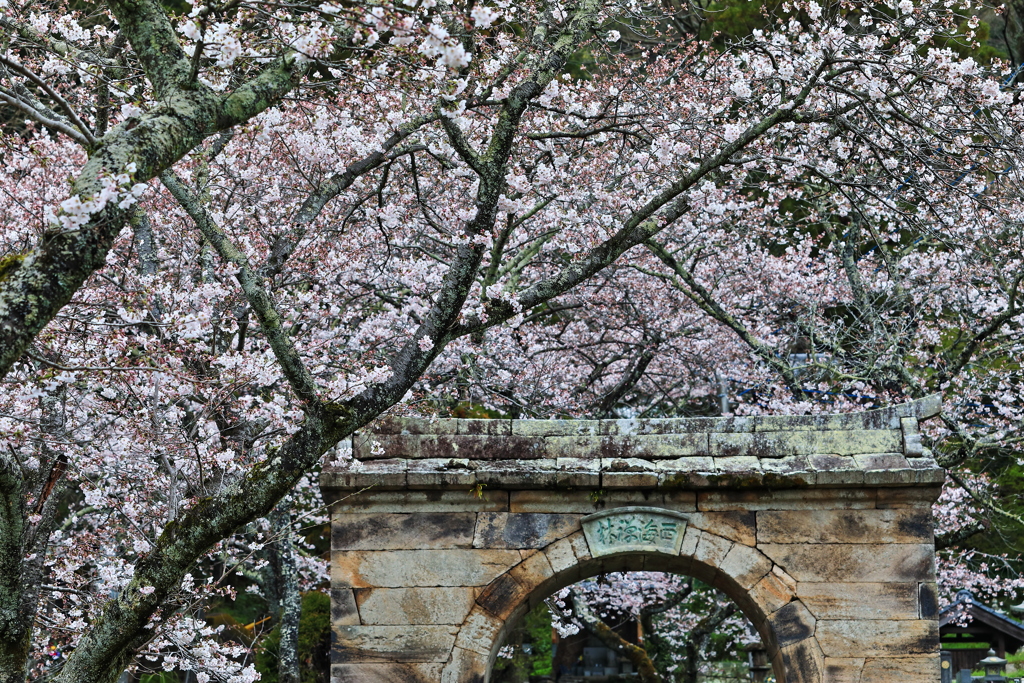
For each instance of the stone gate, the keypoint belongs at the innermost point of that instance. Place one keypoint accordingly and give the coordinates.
(445, 532)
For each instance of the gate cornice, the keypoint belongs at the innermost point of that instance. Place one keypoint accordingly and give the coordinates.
(874, 448)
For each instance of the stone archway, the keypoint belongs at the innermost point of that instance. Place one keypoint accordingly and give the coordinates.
(818, 527)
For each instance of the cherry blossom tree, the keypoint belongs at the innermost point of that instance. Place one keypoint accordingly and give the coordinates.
(283, 220)
(686, 626)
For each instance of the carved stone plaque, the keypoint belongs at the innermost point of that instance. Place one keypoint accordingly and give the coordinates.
(628, 529)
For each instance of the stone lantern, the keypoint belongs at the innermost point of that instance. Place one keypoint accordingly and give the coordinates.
(994, 667)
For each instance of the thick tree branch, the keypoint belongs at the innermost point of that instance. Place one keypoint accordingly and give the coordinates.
(699, 295)
(285, 244)
(636, 655)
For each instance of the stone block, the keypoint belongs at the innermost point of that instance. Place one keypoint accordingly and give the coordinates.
(882, 461)
(503, 596)
(735, 525)
(878, 638)
(704, 464)
(681, 501)
(844, 526)
(928, 600)
(562, 558)
(803, 662)
(832, 462)
(479, 632)
(577, 464)
(521, 474)
(468, 500)
(465, 666)
(852, 442)
(381, 475)
(918, 497)
(884, 418)
(711, 549)
(471, 446)
(923, 668)
(786, 499)
(681, 480)
(393, 643)
(911, 437)
(744, 565)
(577, 479)
(788, 465)
(662, 446)
(344, 611)
(774, 591)
(839, 478)
(890, 477)
(580, 546)
(382, 531)
(865, 562)
(441, 473)
(792, 623)
(483, 426)
(744, 465)
(779, 444)
(648, 447)
(691, 537)
(366, 672)
(534, 573)
(834, 600)
(627, 465)
(580, 502)
(394, 606)
(686, 425)
(844, 670)
(629, 480)
(522, 530)
(751, 444)
(401, 568)
(925, 475)
(409, 425)
(543, 428)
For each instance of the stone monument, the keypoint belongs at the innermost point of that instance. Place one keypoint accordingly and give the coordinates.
(445, 532)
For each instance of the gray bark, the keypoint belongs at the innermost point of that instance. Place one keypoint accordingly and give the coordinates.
(35, 285)
(29, 499)
(290, 606)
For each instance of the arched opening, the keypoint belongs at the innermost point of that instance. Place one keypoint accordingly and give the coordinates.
(640, 626)
(740, 572)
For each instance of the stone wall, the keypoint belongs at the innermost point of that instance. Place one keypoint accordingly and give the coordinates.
(835, 567)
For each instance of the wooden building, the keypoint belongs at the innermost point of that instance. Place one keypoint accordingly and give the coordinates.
(986, 628)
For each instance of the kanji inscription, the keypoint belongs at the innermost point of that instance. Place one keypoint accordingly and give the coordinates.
(634, 529)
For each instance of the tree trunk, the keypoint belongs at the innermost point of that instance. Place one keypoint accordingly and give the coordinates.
(636, 655)
(288, 592)
(24, 533)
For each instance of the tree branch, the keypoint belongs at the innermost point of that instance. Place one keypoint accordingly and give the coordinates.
(287, 356)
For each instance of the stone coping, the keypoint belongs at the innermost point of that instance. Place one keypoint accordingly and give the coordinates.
(879, 419)
(697, 473)
(874, 448)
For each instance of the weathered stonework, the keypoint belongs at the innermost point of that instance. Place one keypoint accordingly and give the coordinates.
(445, 532)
